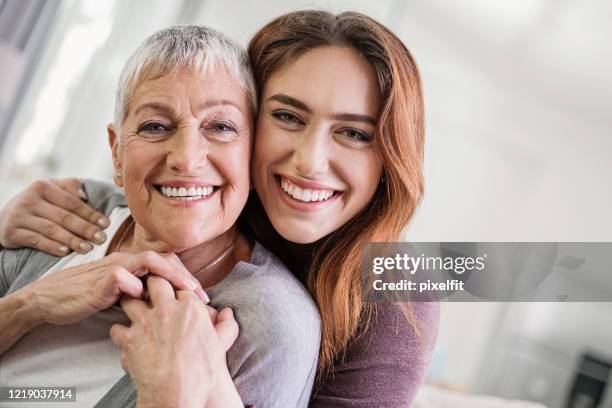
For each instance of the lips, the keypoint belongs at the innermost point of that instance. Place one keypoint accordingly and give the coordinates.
(319, 196)
(305, 195)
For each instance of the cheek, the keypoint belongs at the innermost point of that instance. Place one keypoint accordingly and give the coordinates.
(140, 161)
(271, 145)
(234, 167)
(365, 182)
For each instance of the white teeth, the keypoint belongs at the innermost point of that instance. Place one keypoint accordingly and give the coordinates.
(188, 194)
(305, 195)
(297, 193)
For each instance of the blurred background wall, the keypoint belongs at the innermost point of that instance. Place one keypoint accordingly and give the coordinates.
(518, 96)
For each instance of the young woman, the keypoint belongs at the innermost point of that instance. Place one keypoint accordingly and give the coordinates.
(337, 163)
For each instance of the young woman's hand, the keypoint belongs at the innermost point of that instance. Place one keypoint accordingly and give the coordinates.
(73, 294)
(51, 216)
(174, 350)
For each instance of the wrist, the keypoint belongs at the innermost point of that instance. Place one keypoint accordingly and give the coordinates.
(225, 393)
(155, 397)
(162, 392)
(24, 309)
(18, 309)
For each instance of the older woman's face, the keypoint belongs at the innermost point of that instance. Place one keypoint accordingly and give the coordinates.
(183, 152)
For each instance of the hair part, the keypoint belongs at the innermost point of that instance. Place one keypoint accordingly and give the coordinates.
(180, 47)
(333, 275)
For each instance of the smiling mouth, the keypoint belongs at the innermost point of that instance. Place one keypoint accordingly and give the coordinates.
(305, 195)
(186, 193)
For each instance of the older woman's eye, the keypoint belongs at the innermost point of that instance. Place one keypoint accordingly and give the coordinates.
(220, 130)
(153, 128)
(288, 117)
(356, 135)
(222, 127)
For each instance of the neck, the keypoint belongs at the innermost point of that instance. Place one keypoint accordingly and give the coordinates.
(210, 261)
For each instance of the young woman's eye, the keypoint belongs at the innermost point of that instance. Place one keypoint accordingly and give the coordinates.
(287, 117)
(155, 128)
(356, 135)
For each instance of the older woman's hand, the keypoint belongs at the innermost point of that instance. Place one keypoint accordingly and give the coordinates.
(50, 216)
(73, 294)
(175, 348)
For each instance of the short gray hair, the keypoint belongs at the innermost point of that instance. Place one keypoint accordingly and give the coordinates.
(183, 47)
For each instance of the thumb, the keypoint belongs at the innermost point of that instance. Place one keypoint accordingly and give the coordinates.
(227, 328)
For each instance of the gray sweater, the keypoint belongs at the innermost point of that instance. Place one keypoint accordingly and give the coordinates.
(273, 362)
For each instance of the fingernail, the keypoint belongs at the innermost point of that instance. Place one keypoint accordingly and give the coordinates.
(85, 246)
(203, 295)
(64, 249)
(99, 237)
(83, 194)
(103, 222)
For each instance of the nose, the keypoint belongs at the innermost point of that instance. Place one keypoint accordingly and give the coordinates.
(188, 151)
(311, 152)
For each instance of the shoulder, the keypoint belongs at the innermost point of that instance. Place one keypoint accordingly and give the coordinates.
(265, 285)
(386, 362)
(19, 267)
(103, 196)
(273, 362)
(390, 334)
(389, 318)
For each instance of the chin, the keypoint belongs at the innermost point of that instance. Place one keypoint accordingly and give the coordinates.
(299, 233)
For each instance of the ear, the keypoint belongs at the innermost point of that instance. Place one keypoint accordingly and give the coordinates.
(113, 142)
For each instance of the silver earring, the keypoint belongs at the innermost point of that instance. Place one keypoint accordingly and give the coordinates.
(118, 176)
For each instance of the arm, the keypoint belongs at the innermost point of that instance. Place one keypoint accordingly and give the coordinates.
(274, 361)
(18, 318)
(385, 365)
(73, 294)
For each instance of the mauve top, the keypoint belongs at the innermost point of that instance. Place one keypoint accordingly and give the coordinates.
(385, 366)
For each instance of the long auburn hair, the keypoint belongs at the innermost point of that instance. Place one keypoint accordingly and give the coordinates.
(330, 267)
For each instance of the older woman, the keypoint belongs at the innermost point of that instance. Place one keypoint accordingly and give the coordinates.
(180, 144)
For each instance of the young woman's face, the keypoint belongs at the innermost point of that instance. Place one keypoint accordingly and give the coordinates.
(314, 165)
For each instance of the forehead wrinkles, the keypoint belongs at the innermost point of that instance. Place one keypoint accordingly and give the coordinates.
(192, 92)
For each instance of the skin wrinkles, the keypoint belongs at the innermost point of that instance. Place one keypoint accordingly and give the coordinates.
(185, 128)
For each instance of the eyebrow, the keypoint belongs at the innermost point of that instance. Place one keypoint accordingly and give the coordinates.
(349, 117)
(168, 110)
